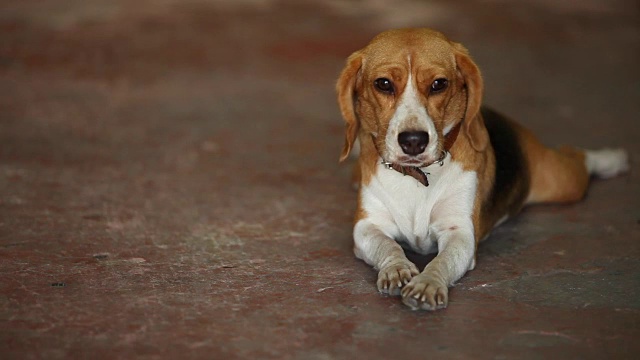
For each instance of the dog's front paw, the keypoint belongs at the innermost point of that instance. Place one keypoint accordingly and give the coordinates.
(393, 277)
(425, 292)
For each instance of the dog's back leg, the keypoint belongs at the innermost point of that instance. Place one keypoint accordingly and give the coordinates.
(562, 175)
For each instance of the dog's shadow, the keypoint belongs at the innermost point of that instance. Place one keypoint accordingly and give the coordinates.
(418, 259)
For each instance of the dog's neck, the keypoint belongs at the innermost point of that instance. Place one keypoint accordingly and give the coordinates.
(416, 172)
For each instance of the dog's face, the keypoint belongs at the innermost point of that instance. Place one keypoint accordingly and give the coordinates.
(407, 90)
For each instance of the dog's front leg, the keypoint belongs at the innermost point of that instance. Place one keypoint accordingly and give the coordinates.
(384, 254)
(429, 290)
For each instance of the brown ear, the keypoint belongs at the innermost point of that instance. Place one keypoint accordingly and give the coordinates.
(346, 99)
(473, 124)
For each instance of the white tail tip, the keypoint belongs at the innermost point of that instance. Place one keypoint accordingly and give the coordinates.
(606, 163)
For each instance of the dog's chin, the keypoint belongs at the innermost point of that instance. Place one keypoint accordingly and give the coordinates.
(411, 162)
(414, 161)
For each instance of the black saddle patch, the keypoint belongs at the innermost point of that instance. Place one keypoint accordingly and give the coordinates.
(512, 180)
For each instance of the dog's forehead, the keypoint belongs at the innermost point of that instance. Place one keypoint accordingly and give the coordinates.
(420, 46)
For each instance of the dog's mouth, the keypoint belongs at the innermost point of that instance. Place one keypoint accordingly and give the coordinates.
(413, 162)
(416, 161)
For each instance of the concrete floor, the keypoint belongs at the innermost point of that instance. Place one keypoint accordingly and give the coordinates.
(169, 185)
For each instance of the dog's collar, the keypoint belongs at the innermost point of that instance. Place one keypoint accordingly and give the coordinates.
(416, 172)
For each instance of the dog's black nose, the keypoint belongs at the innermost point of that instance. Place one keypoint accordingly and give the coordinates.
(413, 142)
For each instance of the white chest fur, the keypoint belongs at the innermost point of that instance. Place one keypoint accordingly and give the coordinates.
(413, 214)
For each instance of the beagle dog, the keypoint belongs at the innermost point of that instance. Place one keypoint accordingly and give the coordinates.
(436, 170)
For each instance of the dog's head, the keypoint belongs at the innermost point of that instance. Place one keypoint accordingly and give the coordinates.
(408, 89)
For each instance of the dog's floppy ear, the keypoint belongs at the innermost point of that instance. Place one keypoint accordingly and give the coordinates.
(473, 125)
(346, 98)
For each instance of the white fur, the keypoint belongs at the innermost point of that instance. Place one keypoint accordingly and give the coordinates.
(447, 129)
(606, 163)
(410, 114)
(355, 150)
(429, 219)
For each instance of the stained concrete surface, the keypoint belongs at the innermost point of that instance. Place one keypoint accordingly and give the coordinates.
(169, 185)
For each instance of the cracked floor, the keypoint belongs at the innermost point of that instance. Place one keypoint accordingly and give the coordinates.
(169, 184)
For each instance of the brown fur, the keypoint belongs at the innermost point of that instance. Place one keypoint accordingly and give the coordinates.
(555, 175)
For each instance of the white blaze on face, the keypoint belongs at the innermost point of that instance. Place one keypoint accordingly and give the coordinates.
(410, 115)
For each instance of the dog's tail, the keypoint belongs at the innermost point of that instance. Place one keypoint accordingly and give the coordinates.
(606, 163)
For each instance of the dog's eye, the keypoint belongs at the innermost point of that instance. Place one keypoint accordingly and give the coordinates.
(384, 85)
(438, 85)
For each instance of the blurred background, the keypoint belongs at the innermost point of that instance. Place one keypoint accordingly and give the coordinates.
(169, 184)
